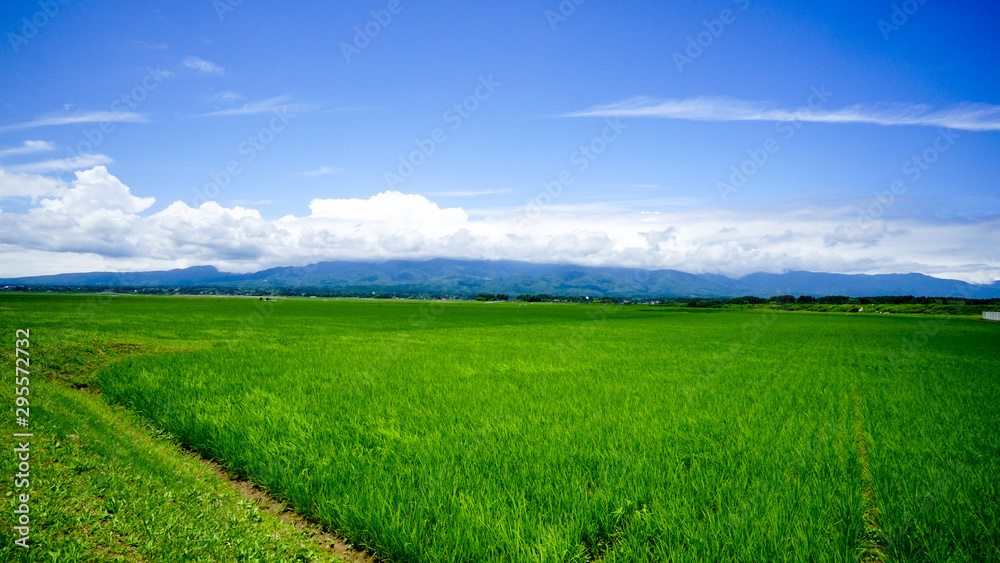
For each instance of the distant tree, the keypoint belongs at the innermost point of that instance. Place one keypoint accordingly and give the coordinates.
(805, 299)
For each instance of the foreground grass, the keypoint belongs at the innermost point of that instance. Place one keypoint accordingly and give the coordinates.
(505, 432)
(105, 486)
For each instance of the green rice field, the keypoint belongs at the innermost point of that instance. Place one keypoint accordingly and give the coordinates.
(508, 432)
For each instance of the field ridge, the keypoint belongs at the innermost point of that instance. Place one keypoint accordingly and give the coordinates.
(874, 551)
(326, 539)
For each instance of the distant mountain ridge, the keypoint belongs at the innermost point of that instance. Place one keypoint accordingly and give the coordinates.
(469, 277)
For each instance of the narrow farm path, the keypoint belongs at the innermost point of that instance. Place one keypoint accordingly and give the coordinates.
(873, 549)
(335, 546)
(331, 543)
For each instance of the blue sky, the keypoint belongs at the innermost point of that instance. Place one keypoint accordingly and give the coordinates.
(727, 137)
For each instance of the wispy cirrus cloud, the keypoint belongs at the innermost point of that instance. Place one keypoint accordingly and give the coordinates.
(225, 96)
(28, 147)
(277, 103)
(88, 117)
(321, 171)
(139, 44)
(201, 65)
(247, 202)
(469, 193)
(964, 116)
(62, 164)
(346, 109)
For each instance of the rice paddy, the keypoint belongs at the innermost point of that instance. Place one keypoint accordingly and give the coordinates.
(434, 432)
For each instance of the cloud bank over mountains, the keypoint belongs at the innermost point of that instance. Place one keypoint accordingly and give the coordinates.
(95, 222)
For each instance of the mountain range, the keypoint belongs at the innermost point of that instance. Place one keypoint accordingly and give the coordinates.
(470, 277)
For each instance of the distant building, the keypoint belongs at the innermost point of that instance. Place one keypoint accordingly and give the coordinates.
(994, 316)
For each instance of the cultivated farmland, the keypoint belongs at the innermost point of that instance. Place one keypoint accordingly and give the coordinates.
(440, 432)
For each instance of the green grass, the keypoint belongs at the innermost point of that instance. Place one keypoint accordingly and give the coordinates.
(510, 432)
(105, 486)
(104, 490)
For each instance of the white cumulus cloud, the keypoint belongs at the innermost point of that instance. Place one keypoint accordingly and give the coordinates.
(389, 206)
(96, 189)
(14, 184)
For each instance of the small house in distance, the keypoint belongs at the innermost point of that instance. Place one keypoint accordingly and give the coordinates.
(994, 316)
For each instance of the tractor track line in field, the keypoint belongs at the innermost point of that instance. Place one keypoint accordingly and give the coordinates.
(872, 539)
